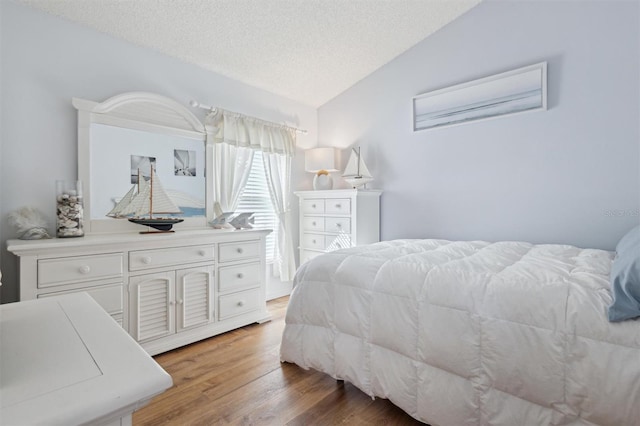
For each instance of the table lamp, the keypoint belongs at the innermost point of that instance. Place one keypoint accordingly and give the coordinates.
(321, 161)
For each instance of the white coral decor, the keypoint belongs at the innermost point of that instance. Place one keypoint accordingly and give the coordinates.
(29, 224)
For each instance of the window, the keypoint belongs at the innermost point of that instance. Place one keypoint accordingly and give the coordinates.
(255, 198)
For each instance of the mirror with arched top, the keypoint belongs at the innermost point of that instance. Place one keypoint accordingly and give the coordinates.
(120, 139)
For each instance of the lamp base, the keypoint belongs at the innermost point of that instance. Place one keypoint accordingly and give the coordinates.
(322, 181)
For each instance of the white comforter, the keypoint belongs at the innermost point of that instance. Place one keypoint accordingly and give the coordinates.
(459, 333)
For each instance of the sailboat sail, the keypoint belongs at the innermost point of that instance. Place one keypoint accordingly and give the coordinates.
(356, 173)
(151, 200)
(135, 190)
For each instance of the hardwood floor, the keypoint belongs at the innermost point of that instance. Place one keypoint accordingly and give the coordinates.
(236, 378)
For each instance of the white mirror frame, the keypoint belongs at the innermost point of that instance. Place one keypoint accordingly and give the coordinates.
(146, 112)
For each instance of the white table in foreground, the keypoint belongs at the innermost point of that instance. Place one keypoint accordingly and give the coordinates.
(65, 361)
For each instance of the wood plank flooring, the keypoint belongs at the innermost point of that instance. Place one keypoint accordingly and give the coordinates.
(237, 379)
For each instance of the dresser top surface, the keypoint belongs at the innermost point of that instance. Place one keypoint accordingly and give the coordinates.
(133, 239)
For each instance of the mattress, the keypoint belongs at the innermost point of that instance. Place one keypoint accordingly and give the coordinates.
(470, 333)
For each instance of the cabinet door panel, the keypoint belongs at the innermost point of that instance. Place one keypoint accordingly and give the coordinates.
(153, 301)
(194, 296)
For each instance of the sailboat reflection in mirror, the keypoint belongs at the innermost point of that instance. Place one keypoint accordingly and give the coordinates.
(356, 173)
(145, 199)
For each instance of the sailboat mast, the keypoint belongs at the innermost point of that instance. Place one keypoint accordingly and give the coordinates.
(151, 195)
(139, 180)
(358, 172)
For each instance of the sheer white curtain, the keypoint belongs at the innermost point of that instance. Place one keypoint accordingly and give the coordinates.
(231, 167)
(277, 168)
(234, 137)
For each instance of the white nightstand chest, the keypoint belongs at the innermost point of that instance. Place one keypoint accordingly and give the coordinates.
(335, 219)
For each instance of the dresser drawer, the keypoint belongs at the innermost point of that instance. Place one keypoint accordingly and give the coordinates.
(110, 297)
(67, 270)
(338, 224)
(338, 206)
(238, 277)
(336, 242)
(312, 206)
(147, 259)
(313, 223)
(313, 241)
(230, 305)
(238, 251)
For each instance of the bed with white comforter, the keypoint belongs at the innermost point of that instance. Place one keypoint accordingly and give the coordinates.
(470, 333)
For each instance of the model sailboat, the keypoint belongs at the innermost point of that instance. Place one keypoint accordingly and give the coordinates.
(150, 200)
(356, 173)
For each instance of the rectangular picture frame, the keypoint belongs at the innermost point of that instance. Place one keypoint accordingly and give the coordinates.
(512, 92)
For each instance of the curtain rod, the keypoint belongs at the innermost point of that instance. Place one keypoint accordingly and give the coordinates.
(210, 108)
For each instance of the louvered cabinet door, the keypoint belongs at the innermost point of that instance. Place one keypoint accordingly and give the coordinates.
(153, 303)
(194, 297)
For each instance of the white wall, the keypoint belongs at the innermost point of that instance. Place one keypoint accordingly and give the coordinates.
(567, 175)
(46, 61)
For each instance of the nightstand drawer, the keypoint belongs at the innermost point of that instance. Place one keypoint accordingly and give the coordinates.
(239, 250)
(338, 224)
(336, 242)
(147, 259)
(338, 206)
(313, 241)
(313, 206)
(230, 305)
(313, 223)
(67, 270)
(239, 277)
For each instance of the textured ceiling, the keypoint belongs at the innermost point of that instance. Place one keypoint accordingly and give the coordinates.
(306, 50)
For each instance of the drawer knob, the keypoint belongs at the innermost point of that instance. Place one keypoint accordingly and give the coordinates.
(338, 206)
(313, 223)
(339, 225)
(146, 260)
(313, 206)
(202, 253)
(314, 241)
(240, 302)
(240, 276)
(179, 301)
(173, 302)
(239, 250)
(84, 270)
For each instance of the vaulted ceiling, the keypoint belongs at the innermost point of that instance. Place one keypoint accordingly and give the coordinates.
(306, 50)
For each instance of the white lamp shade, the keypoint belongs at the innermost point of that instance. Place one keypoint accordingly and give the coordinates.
(317, 159)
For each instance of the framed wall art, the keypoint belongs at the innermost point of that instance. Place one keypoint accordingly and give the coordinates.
(520, 90)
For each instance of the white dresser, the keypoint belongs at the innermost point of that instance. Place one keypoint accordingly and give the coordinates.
(166, 290)
(335, 219)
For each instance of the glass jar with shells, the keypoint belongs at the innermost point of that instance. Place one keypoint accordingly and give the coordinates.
(69, 209)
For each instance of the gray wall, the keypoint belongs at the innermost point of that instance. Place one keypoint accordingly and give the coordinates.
(568, 175)
(46, 61)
